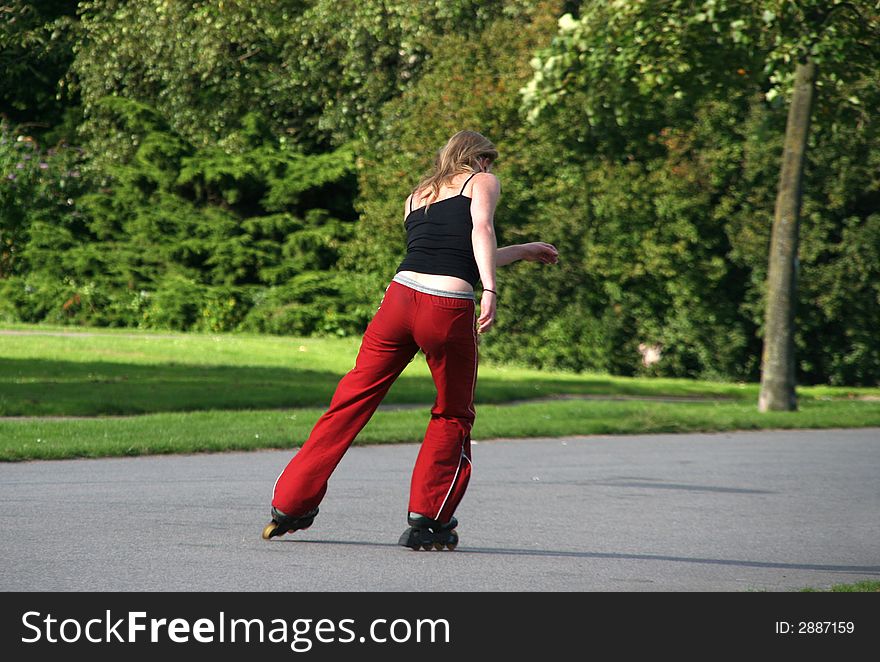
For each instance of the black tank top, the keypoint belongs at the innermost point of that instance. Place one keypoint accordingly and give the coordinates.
(438, 241)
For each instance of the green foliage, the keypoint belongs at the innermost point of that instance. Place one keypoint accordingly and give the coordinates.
(36, 49)
(230, 146)
(346, 64)
(37, 186)
(470, 82)
(202, 65)
(181, 237)
(659, 202)
(314, 303)
(315, 73)
(640, 261)
(630, 59)
(838, 304)
(675, 113)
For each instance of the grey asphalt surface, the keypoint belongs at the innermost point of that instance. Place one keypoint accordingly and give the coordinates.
(739, 511)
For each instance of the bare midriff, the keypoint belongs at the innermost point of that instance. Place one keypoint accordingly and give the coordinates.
(439, 282)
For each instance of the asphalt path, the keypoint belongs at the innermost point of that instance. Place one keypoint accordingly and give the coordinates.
(772, 511)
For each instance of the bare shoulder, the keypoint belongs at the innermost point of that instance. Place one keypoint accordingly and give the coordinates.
(406, 206)
(485, 183)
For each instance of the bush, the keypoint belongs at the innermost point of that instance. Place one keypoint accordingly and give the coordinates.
(37, 185)
(178, 237)
(314, 303)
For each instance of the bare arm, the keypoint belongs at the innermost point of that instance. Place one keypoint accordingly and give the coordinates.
(485, 192)
(508, 255)
(536, 251)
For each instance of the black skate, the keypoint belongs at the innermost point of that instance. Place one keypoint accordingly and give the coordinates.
(282, 523)
(426, 533)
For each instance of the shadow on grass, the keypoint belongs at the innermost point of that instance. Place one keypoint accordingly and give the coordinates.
(37, 387)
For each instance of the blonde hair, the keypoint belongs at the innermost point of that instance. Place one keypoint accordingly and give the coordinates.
(460, 154)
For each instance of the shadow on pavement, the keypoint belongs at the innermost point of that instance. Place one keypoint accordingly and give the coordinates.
(868, 569)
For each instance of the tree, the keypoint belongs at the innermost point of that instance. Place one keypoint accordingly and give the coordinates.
(316, 74)
(182, 236)
(639, 66)
(36, 49)
(469, 81)
(778, 376)
(778, 361)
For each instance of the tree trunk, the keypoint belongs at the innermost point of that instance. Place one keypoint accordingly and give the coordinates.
(777, 362)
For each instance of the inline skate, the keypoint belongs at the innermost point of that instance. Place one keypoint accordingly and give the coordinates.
(282, 523)
(426, 533)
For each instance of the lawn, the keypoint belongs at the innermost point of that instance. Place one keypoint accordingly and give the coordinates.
(88, 393)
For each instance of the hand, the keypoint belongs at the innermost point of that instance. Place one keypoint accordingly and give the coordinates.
(539, 251)
(487, 312)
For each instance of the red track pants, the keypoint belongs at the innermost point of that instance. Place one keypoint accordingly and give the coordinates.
(444, 328)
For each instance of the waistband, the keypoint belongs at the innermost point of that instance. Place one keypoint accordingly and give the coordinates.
(409, 282)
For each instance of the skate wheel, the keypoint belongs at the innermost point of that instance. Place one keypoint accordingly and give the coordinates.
(451, 545)
(427, 547)
(438, 546)
(269, 530)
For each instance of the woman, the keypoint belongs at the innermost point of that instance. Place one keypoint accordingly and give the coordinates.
(429, 305)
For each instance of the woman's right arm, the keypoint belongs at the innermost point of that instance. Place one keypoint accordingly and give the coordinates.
(484, 198)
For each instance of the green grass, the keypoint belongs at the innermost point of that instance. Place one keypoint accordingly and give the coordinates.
(211, 392)
(113, 374)
(867, 586)
(120, 372)
(246, 430)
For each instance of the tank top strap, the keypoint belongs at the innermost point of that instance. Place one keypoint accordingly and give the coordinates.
(461, 192)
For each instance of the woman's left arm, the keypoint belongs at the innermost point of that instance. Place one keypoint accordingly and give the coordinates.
(536, 251)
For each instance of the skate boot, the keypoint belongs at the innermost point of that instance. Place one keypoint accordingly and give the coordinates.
(282, 523)
(426, 533)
